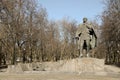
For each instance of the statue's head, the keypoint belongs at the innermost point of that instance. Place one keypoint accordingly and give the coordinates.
(84, 20)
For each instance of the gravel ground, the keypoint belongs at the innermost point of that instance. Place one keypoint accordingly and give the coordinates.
(47, 75)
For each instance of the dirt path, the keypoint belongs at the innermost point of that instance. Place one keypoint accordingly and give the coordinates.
(57, 76)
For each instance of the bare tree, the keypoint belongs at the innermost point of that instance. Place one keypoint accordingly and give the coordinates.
(68, 41)
(111, 31)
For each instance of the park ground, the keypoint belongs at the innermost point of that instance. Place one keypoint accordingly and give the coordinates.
(75, 69)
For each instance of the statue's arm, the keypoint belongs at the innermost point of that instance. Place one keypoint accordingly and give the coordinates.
(93, 31)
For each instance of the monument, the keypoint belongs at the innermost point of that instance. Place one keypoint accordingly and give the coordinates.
(86, 38)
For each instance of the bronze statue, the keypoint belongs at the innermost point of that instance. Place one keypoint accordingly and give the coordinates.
(86, 37)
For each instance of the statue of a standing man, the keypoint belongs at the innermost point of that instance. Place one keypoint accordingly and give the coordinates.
(84, 37)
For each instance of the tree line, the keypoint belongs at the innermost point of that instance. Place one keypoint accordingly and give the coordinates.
(27, 35)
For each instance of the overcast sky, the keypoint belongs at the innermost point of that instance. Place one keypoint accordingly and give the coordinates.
(75, 9)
